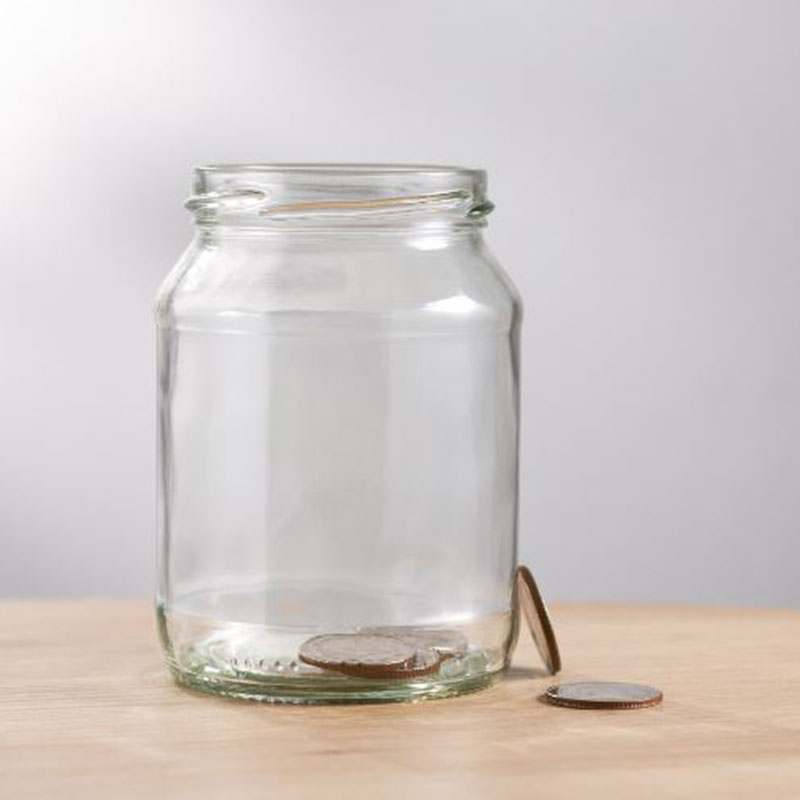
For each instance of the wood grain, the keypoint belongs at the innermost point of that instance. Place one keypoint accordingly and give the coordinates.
(86, 710)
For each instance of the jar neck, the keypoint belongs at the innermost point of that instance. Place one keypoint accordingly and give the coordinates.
(404, 201)
(352, 239)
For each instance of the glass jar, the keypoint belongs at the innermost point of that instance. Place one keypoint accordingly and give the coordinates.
(338, 424)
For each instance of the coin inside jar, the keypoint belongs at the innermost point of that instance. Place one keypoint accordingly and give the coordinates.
(445, 641)
(603, 694)
(365, 654)
(425, 662)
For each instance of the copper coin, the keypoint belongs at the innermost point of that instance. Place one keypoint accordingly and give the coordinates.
(445, 641)
(362, 653)
(603, 694)
(538, 619)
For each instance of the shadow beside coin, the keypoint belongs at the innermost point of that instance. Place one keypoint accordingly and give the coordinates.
(524, 674)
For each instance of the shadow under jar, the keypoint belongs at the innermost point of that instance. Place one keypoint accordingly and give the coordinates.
(338, 424)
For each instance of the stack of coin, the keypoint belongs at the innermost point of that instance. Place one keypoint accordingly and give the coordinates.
(397, 653)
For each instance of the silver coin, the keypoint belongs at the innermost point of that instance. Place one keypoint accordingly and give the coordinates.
(425, 662)
(445, 641)
(357, 651)
(538, 619)
(603, 694)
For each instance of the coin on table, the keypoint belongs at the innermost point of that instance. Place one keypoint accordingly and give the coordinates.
(538, 619)
(368, 655)
(603, 694)
(445, 641)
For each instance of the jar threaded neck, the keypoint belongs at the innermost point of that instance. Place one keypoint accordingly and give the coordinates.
(351, 195)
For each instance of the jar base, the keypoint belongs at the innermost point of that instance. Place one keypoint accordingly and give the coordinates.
(291, 691)
(258, 662)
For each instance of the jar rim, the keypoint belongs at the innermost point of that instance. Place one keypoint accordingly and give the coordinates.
(344, 169)
(339, 193)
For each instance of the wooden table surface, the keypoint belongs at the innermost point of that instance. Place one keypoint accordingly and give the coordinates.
(87, 710)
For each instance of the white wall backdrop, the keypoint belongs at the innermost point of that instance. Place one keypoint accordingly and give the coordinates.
(645, 163)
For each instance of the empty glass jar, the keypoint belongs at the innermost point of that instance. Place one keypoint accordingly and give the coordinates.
(338, 421)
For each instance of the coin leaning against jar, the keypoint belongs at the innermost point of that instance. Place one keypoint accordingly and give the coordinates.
(533, 607)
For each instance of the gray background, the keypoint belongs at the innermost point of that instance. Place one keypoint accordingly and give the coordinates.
(645, 163)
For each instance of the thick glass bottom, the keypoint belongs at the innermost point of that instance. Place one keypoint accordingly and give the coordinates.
(321, 692)
(257, 662)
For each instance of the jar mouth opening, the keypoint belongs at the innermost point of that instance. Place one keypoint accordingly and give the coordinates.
(393, 194)
(343, 169)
